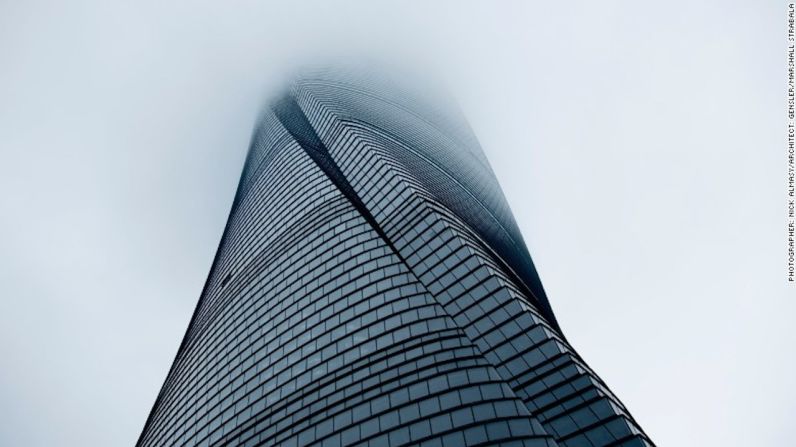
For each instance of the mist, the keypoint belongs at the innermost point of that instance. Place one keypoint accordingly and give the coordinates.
(641, 148)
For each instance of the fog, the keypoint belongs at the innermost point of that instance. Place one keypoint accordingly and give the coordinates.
(640, 146)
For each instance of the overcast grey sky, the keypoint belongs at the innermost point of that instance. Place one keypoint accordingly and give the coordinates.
(640, 145)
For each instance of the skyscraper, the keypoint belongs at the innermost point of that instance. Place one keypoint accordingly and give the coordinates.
(372, 288)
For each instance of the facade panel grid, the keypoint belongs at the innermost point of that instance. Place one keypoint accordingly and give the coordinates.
(372, 288)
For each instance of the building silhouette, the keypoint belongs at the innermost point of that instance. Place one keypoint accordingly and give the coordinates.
(372, 288)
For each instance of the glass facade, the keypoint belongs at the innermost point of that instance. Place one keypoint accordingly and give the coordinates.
(371, 288)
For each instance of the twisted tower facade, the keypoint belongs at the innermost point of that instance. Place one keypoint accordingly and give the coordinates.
(371, 288)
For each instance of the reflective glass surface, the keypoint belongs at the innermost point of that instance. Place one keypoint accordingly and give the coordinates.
(372, 288)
